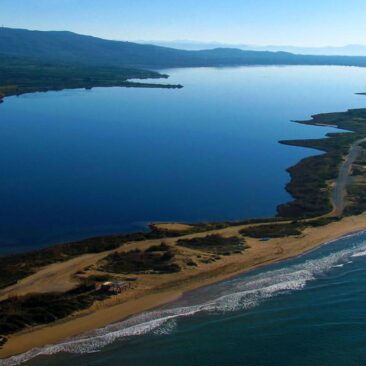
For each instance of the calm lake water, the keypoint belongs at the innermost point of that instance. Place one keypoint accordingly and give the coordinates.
(301, 312)
(74, 164)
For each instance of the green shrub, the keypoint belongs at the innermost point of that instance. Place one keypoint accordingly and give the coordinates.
(273, 230)
(137, 261)
(216, 244)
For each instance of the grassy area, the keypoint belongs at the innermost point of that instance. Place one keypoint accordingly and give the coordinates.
(322, 221)
(162, 247)
(203, 226)
(156, 259)
(273, 230)
(280, 230)
(357, 171)
(356, 190)
(361, 159)
(22, 75)
(216, 244)
(356, 197)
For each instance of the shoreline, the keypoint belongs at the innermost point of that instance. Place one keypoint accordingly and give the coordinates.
(125, 84)
(260, 254)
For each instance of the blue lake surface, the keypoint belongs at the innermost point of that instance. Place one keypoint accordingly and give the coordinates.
(305, 311)
(75, 164)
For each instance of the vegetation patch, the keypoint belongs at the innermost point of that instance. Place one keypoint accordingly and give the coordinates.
(18, 313)
(322, 221)
(273, 230)
(356, 197)
(162, 247)
(216, 244)
(357, 171)
(203, 226)
(137, 261)
(28, 75)
(191, 263)
(361, 159)
(280, 230)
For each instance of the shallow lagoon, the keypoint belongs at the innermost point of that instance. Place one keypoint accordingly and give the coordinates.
(81, 163)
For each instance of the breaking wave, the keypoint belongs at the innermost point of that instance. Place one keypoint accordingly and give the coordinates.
(238, 294)
(359, 254)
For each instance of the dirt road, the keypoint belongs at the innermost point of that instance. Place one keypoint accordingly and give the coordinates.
(339, 190)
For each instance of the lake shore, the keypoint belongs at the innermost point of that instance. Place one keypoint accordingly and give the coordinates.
(166, 288)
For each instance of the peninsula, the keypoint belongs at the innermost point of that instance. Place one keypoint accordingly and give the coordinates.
(20, 75)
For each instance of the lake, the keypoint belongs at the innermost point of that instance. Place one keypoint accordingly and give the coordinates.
(76, 164)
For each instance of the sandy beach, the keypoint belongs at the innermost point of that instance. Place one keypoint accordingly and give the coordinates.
(156, 290)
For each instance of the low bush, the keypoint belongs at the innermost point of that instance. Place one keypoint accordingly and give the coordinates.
(216, 244)
(137, 261)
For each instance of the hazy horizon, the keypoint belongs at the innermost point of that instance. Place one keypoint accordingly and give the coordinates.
(345, 50)
(273, 22)
(187, 44)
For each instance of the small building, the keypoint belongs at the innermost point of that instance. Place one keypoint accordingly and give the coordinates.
(114, 287)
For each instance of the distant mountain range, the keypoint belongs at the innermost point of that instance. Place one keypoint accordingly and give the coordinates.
(68, 47)
(347, 50)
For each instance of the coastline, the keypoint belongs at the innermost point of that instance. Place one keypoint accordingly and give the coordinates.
(29, 75)
(258, 254)
(125, 84)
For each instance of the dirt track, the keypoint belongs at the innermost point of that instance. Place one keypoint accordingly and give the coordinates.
(339, 190)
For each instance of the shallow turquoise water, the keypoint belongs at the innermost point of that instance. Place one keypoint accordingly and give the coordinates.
(305, 311)
(80, 163)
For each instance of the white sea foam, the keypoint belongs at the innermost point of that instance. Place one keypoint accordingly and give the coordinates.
(239, 294)
(360, 254)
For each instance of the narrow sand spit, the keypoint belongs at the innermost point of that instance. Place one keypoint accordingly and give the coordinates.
(156, 290)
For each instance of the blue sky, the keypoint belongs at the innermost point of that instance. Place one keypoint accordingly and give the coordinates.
(279, 22)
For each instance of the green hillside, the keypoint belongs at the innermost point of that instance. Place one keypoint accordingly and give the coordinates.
(75, 48)
(24, 75)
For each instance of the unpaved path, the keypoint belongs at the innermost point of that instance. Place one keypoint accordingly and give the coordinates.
(339, 190)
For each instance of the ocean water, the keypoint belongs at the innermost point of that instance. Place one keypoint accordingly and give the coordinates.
(75, 164)
(305, 311)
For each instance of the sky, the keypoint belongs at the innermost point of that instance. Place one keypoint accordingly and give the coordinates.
(259, 22)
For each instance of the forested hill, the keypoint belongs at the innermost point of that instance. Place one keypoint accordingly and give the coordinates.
(73, 48)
